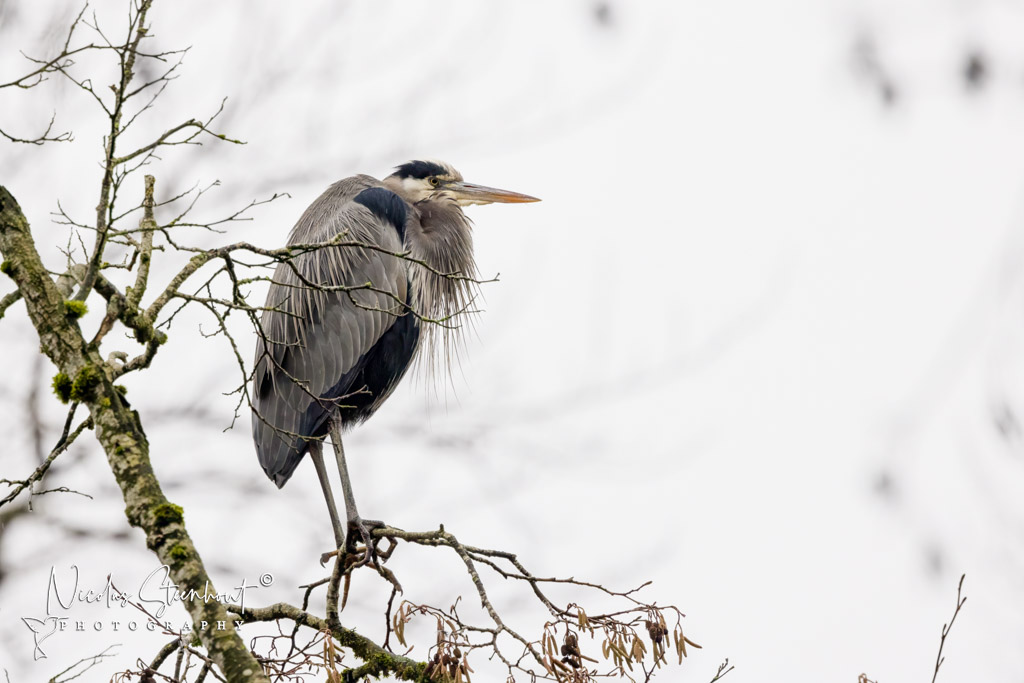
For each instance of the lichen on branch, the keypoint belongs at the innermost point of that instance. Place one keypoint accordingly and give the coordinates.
(119, 431)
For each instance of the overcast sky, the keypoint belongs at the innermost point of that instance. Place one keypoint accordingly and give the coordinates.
(761, 342)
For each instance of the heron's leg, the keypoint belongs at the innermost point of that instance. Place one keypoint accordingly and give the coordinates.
(355, 522)
(346, 483)
(316, 454)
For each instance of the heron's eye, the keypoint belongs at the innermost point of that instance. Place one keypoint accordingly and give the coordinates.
(435, 181)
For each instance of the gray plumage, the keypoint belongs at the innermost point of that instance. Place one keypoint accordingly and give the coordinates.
(313, 337)
(343, 323)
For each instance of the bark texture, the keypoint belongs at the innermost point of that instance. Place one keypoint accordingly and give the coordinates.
(119, 431)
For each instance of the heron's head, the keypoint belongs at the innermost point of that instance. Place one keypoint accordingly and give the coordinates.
(434, 180)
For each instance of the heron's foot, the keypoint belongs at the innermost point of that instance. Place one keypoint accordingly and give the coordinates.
(361, 531)
(360, 546)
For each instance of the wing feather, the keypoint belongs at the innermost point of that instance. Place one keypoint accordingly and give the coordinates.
(316, 335)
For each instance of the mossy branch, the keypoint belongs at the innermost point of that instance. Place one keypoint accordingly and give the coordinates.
(119, 431)
(378, 662)
(148, 226)
(8, 300)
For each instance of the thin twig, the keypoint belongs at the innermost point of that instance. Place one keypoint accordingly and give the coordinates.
(66, 439)
(946, 628)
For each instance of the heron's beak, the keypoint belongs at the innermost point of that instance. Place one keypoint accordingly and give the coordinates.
(468, 193)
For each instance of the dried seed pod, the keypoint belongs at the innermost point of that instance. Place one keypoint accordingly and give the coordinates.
(637, 650)
(561, 665)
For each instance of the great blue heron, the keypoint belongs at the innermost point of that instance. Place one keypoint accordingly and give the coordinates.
(343, 323)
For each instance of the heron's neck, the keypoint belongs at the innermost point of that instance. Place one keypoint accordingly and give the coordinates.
(443, 239)
(444, 292)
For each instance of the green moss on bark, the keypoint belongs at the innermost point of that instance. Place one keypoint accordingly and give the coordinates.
(84, 387)
(75, 309)
(62, 387)
(119, 432)
(168, 513)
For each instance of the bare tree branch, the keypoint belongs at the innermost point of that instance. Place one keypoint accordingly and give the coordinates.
(946, 628)
(120, 434)
(8, 300)
(43, 137)
(66, 439)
